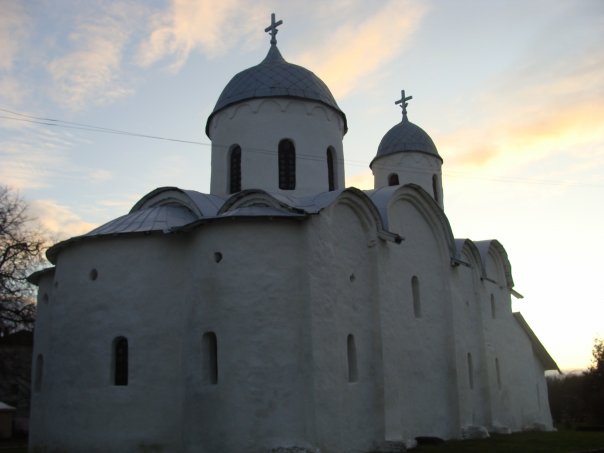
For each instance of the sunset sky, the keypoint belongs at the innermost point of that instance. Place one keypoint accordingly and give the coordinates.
(512, 93)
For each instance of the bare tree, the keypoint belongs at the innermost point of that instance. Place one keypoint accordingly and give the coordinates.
(21, 252)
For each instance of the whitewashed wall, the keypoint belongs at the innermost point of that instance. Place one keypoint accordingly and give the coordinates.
(258, 126)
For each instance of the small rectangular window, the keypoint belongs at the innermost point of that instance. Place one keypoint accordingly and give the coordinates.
(120, 361)
(210, 358)
(353, 374)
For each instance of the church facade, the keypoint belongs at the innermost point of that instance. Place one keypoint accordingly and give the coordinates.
(283, 310)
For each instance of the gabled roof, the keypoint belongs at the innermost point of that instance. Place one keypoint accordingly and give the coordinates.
(546, 360)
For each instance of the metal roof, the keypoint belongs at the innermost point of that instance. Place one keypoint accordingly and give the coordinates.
(275, 77)
(544, 357)
(156, 218)
(405, 137)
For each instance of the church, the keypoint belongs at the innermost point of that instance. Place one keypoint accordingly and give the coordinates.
(283, 312)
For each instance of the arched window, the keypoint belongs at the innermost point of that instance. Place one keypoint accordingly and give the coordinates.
(120, 361)
(470, 371)
(417, 304)
(493, 309)
(209, 346)
(38, 373)
(435, 187)
(331, 162)
(353, 374)
(287, 165)
(498, 373)
(393, 179)
(235, 169)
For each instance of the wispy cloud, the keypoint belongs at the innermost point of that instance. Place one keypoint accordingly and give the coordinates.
(14, 33)
(31, 156)
(362, 180)
(92, 70)
(206, 25)
(355, 51)
(530, 114)
(101, 175)
(59, 221)
(14, 25)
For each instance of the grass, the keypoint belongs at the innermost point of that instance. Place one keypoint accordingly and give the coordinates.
(525, 442)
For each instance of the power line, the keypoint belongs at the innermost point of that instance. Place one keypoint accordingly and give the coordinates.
(53, 122)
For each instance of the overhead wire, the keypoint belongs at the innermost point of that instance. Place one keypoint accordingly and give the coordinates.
(53, 122)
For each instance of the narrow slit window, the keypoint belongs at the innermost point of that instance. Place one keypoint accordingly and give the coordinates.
(435, 187)
(393, 179)
(287, 165)
(470, 371)
(120, 361)
(493, 308)
(498, 373)
(353, 374)
(417, 304)
(39, 373)
(331, 176)
(210, 358)
(235, 169)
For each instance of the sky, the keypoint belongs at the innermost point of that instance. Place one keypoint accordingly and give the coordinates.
(511, 92)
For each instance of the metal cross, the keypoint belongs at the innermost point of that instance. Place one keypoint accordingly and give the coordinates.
(272, 29)
(403, 101)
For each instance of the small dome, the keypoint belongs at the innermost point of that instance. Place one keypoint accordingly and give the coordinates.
(404, 137)
(275, 77)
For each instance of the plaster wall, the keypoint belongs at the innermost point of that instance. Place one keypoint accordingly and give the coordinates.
(255, 300)
(411, 167)
(472, 373)
(258, 126)
(426, 339)
(137, 293)
(347, 401)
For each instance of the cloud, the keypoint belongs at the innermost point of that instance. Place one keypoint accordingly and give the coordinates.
(14, 34)
(363, 180)
(58, 220)
(533, 114)
(356, 50)
(101, 175)
(14, 25)
(92, 71)
(213, 27)
(30, 156)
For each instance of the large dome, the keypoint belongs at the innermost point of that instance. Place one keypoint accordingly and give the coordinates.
(406, 137)
(275, 77)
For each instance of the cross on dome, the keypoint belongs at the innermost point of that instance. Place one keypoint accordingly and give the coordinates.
(272, 29)
(403, 101)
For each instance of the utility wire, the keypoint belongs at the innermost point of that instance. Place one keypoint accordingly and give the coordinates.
(53, 122)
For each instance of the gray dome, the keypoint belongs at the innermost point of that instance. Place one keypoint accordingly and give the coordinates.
(406, 137)
(275, 77)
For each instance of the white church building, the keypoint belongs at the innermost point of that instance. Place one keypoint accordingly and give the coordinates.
(283, 311)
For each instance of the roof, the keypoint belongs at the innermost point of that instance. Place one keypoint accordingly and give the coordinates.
(406, 137)
(546, 360)
(275, 77)
(6, 408)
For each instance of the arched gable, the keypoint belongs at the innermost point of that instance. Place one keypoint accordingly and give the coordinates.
(385, 198)
(468, 254)
(361, 205)
(367, 212)
(259, 198)
(200, 204)
(495, 261)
